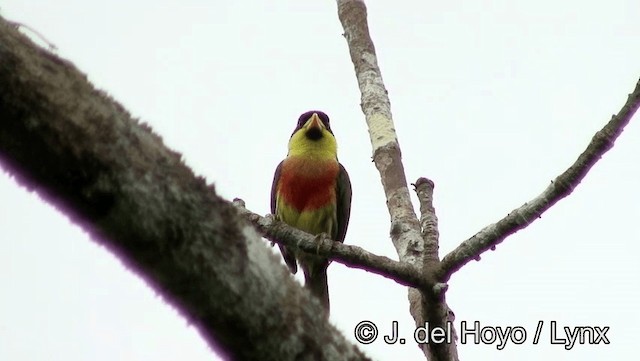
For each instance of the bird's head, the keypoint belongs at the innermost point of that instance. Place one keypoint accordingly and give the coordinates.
(313, 136)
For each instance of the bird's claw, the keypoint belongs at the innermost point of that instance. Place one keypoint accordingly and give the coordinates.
(319, 239)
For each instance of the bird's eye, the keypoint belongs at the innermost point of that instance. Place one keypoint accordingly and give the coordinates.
(303, 118)
(324, 118)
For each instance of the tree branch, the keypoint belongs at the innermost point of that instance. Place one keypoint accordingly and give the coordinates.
(82, 152)
(428, 221)
(351, 256)
(427, 305)
(405, 229)
(559, 188)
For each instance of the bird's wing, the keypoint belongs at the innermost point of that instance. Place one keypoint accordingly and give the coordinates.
(288, 256)
(343, 206)
(274, 188)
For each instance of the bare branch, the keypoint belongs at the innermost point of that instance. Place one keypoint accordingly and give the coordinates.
(351, 256)
(405, 227)
(82, 152)
(428, 221)
(559, 188)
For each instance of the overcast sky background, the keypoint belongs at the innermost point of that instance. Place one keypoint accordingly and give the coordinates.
(491, 100)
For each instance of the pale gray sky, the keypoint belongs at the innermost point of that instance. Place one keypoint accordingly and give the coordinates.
(491, 100)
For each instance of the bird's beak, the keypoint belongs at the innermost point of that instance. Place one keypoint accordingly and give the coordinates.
(314, 122)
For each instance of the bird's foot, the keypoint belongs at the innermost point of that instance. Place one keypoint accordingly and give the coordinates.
(321, 240)
(272, 218)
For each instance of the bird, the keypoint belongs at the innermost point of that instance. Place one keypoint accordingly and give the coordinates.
(311, 191)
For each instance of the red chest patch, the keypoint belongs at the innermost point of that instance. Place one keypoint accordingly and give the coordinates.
(306, 185)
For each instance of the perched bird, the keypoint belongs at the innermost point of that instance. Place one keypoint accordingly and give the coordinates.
(311, 191)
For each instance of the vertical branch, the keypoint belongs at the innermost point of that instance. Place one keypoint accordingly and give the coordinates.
(428, 221)
(435, 309)
(425, 305)
(405, 228)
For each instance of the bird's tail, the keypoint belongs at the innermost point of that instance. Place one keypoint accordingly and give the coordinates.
(317, 284)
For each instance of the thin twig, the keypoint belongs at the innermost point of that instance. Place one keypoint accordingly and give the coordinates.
(559, 188)
(351, 256)
(18, 25)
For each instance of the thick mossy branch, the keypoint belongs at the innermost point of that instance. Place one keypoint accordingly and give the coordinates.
(82, 152)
